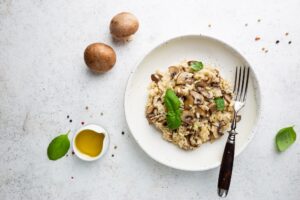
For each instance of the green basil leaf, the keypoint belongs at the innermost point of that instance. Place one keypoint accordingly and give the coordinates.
(172, 104)
(196, 65)
(173, 120)
(220, 103)
(285, 138)
(58, 147)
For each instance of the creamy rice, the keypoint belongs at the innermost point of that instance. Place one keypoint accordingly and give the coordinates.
(197, 91)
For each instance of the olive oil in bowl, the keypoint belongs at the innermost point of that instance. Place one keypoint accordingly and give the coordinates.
(90, 142)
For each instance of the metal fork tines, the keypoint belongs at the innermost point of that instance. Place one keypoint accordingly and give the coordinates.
(240, 86)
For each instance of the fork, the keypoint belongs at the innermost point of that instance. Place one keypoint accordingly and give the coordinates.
(240, 91)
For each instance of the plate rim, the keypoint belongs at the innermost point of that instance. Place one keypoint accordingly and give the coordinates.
(256, 88)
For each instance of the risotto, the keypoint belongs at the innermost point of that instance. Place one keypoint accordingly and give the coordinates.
(206, 104)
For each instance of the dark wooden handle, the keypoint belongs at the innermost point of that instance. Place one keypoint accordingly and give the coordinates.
(226, 166)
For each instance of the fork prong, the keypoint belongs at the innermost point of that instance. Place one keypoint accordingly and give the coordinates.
(242, 82)
(246, 86)
(235, 80)
(238, 83)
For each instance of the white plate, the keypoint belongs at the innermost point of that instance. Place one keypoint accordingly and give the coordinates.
(192, 47)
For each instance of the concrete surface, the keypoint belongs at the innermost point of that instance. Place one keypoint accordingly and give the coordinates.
(43, 79)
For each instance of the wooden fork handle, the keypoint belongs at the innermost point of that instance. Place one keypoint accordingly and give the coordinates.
(226, 166)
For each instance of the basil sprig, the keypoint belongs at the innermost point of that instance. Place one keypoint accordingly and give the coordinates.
(196, 65)
(172, 104)
(220, 103)
(285, 138)
(58, 147)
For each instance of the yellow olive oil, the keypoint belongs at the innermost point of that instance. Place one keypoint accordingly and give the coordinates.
(89, 142)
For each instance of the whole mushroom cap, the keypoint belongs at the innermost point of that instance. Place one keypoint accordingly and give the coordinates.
(99, 57)
(123, 25)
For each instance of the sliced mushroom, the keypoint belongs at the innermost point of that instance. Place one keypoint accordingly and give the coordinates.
(212, 107)
(149, 109)
(205, 93)
(156, 77)
(180, 90)
(187, 117)
(198, 98)
(201, 83)
(188, 102)
(184, 77)
(193, 140)
(201, 112)
(228, 98)
(173, 71)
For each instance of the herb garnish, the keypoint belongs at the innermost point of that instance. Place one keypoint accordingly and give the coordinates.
(172, 104)
(285, 138)
(58, 147)
(220, 103)
(196, 65)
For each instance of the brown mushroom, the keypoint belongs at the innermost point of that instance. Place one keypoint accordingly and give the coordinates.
(198, 98)
(228, 98)
(187, 117)
(173, 71)
(99, 57)
(201, 84)
(149, 109)
(201, 112)
(156, 77)
(192, 140)
(212, 106)
(188, 102)
(205, 93)
(123, 25)
(184, 77)
(180, 90)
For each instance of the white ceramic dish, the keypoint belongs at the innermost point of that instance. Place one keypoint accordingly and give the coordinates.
(192, 47)
(97, 129)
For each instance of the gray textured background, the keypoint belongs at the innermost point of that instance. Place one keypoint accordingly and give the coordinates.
(43, 79)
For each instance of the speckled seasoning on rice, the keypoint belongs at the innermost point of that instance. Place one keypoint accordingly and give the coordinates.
(201, 121)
